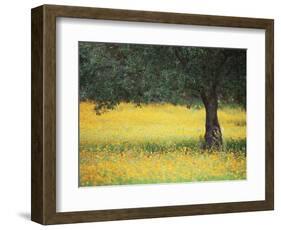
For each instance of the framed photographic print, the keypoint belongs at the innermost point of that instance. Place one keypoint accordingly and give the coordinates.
(140, 114)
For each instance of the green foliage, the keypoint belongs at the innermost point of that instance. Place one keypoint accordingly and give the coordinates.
(111, 73)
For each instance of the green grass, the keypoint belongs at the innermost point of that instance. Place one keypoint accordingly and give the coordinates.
(229, 145)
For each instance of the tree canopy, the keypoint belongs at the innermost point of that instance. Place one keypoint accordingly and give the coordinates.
(111, 73)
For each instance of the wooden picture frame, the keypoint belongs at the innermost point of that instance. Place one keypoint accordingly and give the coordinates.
(43, 189)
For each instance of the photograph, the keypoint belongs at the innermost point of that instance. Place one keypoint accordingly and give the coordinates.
(151, 114)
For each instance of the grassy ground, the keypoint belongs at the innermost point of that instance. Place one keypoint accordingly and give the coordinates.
(157, 144)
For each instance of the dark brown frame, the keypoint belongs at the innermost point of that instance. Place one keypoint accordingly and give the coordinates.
(43, 160)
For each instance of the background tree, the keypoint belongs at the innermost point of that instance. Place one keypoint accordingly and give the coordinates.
(114, 73)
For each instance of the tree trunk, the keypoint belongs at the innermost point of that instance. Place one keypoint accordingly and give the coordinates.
(213, 136)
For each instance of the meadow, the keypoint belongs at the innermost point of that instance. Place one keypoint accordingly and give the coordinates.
(158, 143)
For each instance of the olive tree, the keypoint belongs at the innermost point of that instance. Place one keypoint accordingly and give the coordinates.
(113, 73)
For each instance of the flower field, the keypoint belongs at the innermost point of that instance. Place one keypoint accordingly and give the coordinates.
(158, 143)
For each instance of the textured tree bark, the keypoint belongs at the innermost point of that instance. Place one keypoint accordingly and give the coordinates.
(213, 135)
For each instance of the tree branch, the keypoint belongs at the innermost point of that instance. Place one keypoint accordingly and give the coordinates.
(183, 60)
